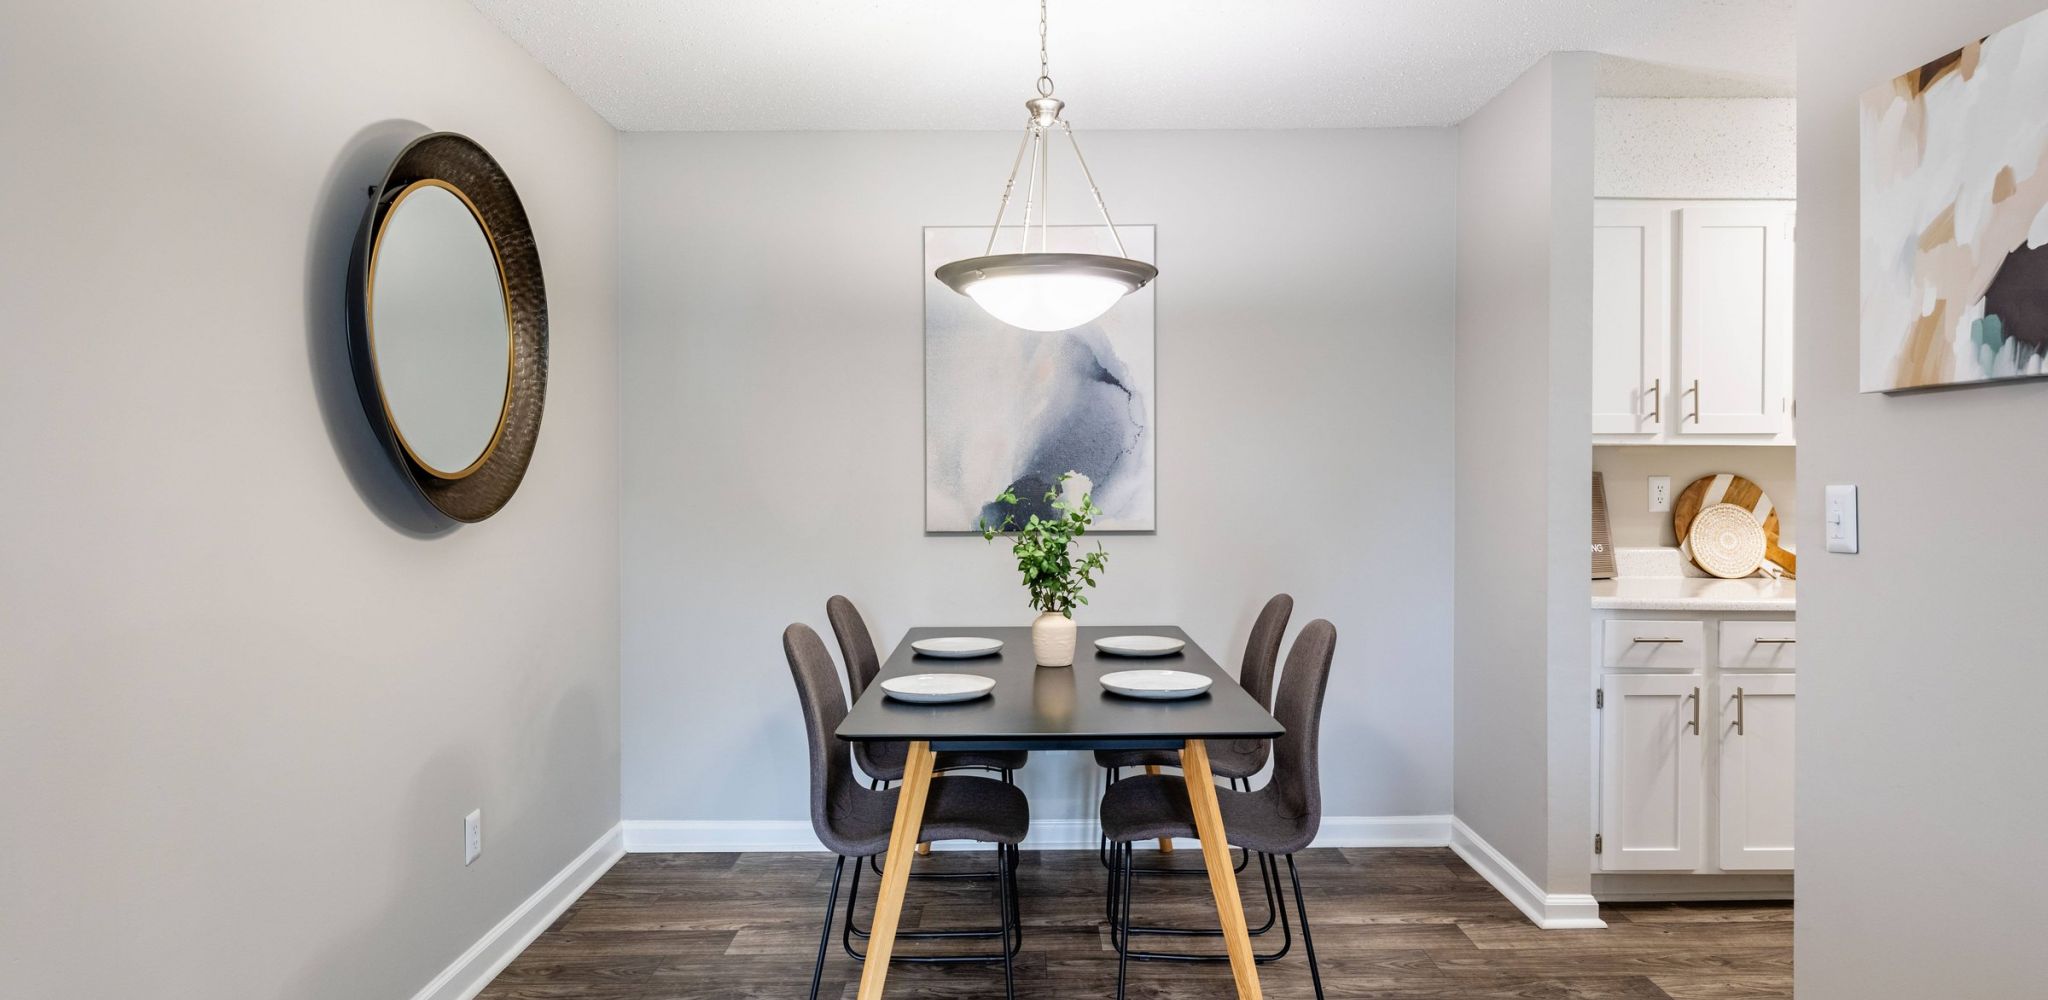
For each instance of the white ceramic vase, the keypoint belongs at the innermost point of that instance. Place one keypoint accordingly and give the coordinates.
(1052, 640)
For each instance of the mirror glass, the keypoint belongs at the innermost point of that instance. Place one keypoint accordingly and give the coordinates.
(439, 333)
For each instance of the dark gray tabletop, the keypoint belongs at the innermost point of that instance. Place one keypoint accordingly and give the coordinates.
(1034, 707)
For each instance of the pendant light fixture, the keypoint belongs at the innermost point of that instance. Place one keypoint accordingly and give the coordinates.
(1041, 290)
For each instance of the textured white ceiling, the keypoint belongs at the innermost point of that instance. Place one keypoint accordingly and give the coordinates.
(968, 64)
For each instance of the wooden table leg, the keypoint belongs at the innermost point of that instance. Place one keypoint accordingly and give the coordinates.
(1165, 843)
(917, 781)
(1194, 761)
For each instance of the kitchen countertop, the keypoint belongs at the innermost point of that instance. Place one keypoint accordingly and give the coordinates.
(1685, 593)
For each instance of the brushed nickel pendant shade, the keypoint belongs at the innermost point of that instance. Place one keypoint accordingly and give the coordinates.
(1043, 290)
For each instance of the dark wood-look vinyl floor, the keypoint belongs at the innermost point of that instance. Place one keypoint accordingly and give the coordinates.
(1404, 923)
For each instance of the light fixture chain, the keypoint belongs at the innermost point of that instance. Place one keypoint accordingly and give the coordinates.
(1045, 195)
(1008, 185)
(1031, 188)
(1089, 176)
(1044, 64)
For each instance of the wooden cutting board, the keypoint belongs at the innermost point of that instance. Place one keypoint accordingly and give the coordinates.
(1730, 488)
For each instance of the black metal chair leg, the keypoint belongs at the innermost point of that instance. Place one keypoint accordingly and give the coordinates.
(1269, 884)
(1123, 954)
(853, 902)
(1121, 936)
(1005, 917)
(1279, 906)
(1308, 943)
(1016, 899)
(1103, 846)
(1012, 939)
(1109, 898)
(1269, 888)
(825, 938)
(1244, 856)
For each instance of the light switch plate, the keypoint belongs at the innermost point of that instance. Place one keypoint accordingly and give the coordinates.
(472, 836)
(1842, 533)
(1660, 494)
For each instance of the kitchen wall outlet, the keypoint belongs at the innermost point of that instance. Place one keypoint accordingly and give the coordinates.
(1841, 514)
(472, 835)
(1660, 494)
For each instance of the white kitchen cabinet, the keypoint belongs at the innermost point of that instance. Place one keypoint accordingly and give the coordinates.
(1758, 645)
(1654, 645)
(1631, 316)
(1755, 739)
(1735, 319)
(1651, 775)
(1693, 752)
(1692, 322)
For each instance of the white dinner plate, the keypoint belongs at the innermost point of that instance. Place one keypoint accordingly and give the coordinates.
(958, 647)
(1156, 684)
(937, 688)
(1140, 645)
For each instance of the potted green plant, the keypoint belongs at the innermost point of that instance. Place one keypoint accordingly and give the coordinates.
(1055, 575)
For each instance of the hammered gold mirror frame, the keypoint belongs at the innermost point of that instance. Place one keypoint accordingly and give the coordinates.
(448, 331)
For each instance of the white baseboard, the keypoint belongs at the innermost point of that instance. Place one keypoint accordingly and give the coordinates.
(1384, 831)
(1550, 911)
(697, 836)
(713, 836)
(467, 976)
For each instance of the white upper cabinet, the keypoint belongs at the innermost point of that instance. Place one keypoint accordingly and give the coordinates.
(1692, 322)
(1631, 316)
(1735, 319)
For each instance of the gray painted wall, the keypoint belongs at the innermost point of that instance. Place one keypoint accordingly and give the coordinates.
(1921, 685)
(771, 306)
(1524, 309)
(242, 713)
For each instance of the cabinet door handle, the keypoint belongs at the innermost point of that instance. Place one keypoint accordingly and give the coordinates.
(1694, 725)
(1695, 417)
(1645, 638)
(1657, 401)
(1738, 712)
(1776, 642)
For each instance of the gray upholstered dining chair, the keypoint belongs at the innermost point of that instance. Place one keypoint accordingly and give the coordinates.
(1237, 761)
(883, 762)
(1273, 822)
(855, 822)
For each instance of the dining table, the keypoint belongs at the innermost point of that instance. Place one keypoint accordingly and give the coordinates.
(1057, 708)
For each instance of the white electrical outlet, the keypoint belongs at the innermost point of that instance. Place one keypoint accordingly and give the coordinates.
(1843, 535)
(1660, 494)
(472, 835)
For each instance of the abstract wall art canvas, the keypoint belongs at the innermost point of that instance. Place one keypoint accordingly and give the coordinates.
(1006, 408)
(1955, 217)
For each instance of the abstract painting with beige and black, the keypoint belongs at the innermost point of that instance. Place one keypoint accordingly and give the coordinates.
(1955, 216)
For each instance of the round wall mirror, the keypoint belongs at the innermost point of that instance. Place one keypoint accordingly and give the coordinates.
(440, 329)
(449, 325)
